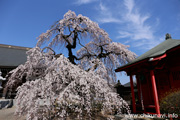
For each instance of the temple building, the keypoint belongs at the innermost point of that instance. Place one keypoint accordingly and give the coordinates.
(156, 72)
(10, 58)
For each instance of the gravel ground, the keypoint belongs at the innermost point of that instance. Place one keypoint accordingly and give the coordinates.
(8, 114)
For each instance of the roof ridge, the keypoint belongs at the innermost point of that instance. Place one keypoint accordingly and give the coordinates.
(155, 51)
(14, 47)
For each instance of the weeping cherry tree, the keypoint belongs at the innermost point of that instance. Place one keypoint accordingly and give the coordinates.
(70, 87)
(74, 30)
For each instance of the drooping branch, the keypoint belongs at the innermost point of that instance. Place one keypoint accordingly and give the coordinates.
(85, 55)
(65, 38)
(72, 27)
(54, 53)
(104, 55)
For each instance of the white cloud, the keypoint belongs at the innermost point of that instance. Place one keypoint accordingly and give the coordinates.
(80, 2)
(106, 15)
(136, 28)
(131, 20)
(124, 34)
(129, 4)
(135, 23)
(109, 20)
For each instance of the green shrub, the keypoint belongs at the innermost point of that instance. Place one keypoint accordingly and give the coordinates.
(171, 103)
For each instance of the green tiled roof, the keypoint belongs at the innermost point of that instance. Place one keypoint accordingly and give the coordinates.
(156, 51)
(12, 56)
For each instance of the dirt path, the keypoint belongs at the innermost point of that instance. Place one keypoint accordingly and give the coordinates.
(8, 114)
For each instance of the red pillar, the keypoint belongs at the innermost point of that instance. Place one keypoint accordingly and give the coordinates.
(139, 89)
(133, 96)
(156, 101)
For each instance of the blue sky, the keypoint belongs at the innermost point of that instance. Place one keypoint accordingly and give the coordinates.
(142, 24)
